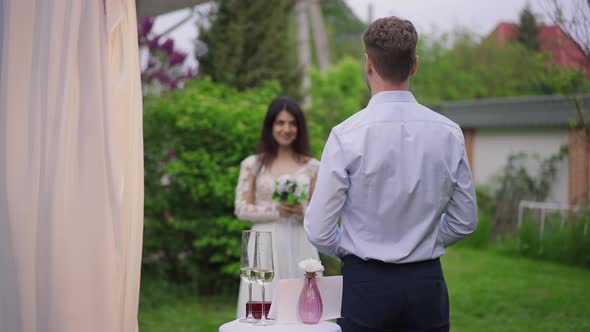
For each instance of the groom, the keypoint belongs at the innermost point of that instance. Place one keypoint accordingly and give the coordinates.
(397, 175)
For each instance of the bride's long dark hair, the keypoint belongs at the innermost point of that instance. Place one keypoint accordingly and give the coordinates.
(268, 147)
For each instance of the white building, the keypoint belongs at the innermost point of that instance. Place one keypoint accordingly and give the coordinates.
(496, 128)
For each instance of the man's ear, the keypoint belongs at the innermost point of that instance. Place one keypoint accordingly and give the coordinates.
(415, 66)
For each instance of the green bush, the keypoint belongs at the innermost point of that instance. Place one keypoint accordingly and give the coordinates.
(195, 139)
(481, 238)
(528, 239)
(336, 95)
(515, 183)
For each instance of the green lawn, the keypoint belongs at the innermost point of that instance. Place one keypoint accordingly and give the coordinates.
(194, 315)
(492, 292)
(488, 292)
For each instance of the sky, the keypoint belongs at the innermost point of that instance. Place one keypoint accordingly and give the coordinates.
(479, 16)
(429, 16)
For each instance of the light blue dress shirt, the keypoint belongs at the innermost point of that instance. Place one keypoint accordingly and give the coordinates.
(397, 175)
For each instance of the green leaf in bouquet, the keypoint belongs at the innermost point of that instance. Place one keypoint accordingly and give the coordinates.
(276, 196)
(291, 198)
(303, 197)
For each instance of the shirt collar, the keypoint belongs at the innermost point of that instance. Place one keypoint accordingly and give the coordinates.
(392, 96)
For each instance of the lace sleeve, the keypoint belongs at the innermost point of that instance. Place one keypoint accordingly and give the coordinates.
(314, 167)
(245, 204)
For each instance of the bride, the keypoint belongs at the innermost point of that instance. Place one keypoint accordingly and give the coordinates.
(283, 150)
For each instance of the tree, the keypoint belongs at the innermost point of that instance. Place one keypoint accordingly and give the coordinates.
(573, 19)
(345, 30)
(528, 29)
(249, 42)
(470, 69)
(164, 69)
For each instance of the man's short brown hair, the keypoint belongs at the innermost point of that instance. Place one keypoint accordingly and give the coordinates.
(390, 43)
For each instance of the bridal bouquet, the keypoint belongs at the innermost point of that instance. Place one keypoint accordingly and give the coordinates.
(292, 190)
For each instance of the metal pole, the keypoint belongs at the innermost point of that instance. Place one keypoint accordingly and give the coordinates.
(520, 210)
(542, 225)
(320, 37)
(304, 48)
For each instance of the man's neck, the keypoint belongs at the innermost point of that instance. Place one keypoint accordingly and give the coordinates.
(388, 86)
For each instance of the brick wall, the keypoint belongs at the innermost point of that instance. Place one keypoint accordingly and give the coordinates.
(578, 167)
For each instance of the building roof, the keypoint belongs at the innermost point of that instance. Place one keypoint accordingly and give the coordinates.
(552, 39)
(158, 7)
(504, 32)
(535, 111)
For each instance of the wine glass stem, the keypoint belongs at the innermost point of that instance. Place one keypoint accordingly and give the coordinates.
(250, 301)
(263, 318)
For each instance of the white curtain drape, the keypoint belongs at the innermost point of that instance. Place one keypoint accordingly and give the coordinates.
(71, 166)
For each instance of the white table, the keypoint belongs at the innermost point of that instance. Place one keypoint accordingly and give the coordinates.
(236, 326)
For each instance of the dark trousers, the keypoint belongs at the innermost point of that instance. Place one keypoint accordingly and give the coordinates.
(379, 297)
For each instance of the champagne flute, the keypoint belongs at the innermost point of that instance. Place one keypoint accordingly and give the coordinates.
(247, 270)
(263, 267)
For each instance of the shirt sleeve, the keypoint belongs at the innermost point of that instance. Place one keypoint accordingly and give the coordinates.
(245, 207)
(460, 217)
(321, 217)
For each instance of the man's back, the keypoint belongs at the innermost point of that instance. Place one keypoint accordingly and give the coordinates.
(404, 164)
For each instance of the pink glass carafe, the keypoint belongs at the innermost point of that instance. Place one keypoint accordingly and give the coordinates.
(310, 306)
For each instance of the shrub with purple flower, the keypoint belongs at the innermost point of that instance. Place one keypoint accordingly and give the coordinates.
(165, 65)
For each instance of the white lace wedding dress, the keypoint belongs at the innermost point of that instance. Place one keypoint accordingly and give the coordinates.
(290, 244)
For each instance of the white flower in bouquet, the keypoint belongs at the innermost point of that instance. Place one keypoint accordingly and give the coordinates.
(290, 190)
(283, 185)
(301, 187)
(311, 265)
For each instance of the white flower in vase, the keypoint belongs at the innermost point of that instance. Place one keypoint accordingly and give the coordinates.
(311, 266)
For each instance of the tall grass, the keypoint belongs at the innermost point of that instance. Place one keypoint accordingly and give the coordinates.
(565, 237)
(562, 240)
